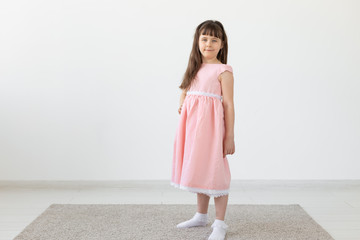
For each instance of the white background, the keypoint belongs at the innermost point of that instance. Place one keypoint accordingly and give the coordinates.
(89, 89)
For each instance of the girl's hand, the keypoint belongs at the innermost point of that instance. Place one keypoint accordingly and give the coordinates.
(179, 110)
(228, 146)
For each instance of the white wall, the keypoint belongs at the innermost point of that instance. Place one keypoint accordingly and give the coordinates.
(89, 89)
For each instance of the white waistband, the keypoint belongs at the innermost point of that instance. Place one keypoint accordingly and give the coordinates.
(204, 93)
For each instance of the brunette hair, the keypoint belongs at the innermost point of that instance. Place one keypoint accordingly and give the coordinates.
(214, 29)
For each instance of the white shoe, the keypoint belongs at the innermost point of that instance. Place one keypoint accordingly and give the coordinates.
(198, 220)
(219, 230)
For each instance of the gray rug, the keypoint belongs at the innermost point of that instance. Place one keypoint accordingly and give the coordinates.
(149, 221)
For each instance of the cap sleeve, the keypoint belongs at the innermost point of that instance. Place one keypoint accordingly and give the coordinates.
(224, 68)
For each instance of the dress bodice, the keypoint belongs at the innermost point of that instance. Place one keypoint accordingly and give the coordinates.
(206, 79)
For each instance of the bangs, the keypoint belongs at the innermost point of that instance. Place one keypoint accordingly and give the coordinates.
(211, 30)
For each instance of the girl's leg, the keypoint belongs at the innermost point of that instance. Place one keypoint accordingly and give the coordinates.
(203, 203)
(220, 206)
(200, 218)
(219, 226)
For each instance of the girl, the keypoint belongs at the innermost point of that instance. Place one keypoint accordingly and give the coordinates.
(205, 134)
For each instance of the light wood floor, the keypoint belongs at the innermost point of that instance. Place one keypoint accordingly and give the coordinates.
(335, 205)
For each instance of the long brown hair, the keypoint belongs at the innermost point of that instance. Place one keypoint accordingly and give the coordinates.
(214, 29)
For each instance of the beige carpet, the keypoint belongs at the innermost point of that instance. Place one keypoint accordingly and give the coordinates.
(149, 221)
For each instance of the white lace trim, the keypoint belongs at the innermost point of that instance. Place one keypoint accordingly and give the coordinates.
(204, 93)
(209, 192)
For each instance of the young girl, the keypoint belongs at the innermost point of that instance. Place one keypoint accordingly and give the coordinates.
(205, 134)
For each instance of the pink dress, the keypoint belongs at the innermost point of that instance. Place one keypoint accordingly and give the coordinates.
(198, 162)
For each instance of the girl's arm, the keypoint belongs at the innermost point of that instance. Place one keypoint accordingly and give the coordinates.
(227, 85)
(182, 98)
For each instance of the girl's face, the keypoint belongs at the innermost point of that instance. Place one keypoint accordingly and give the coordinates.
(209, 47)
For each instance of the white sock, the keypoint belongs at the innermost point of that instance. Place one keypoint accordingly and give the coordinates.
(219, 230)
(199, 219)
